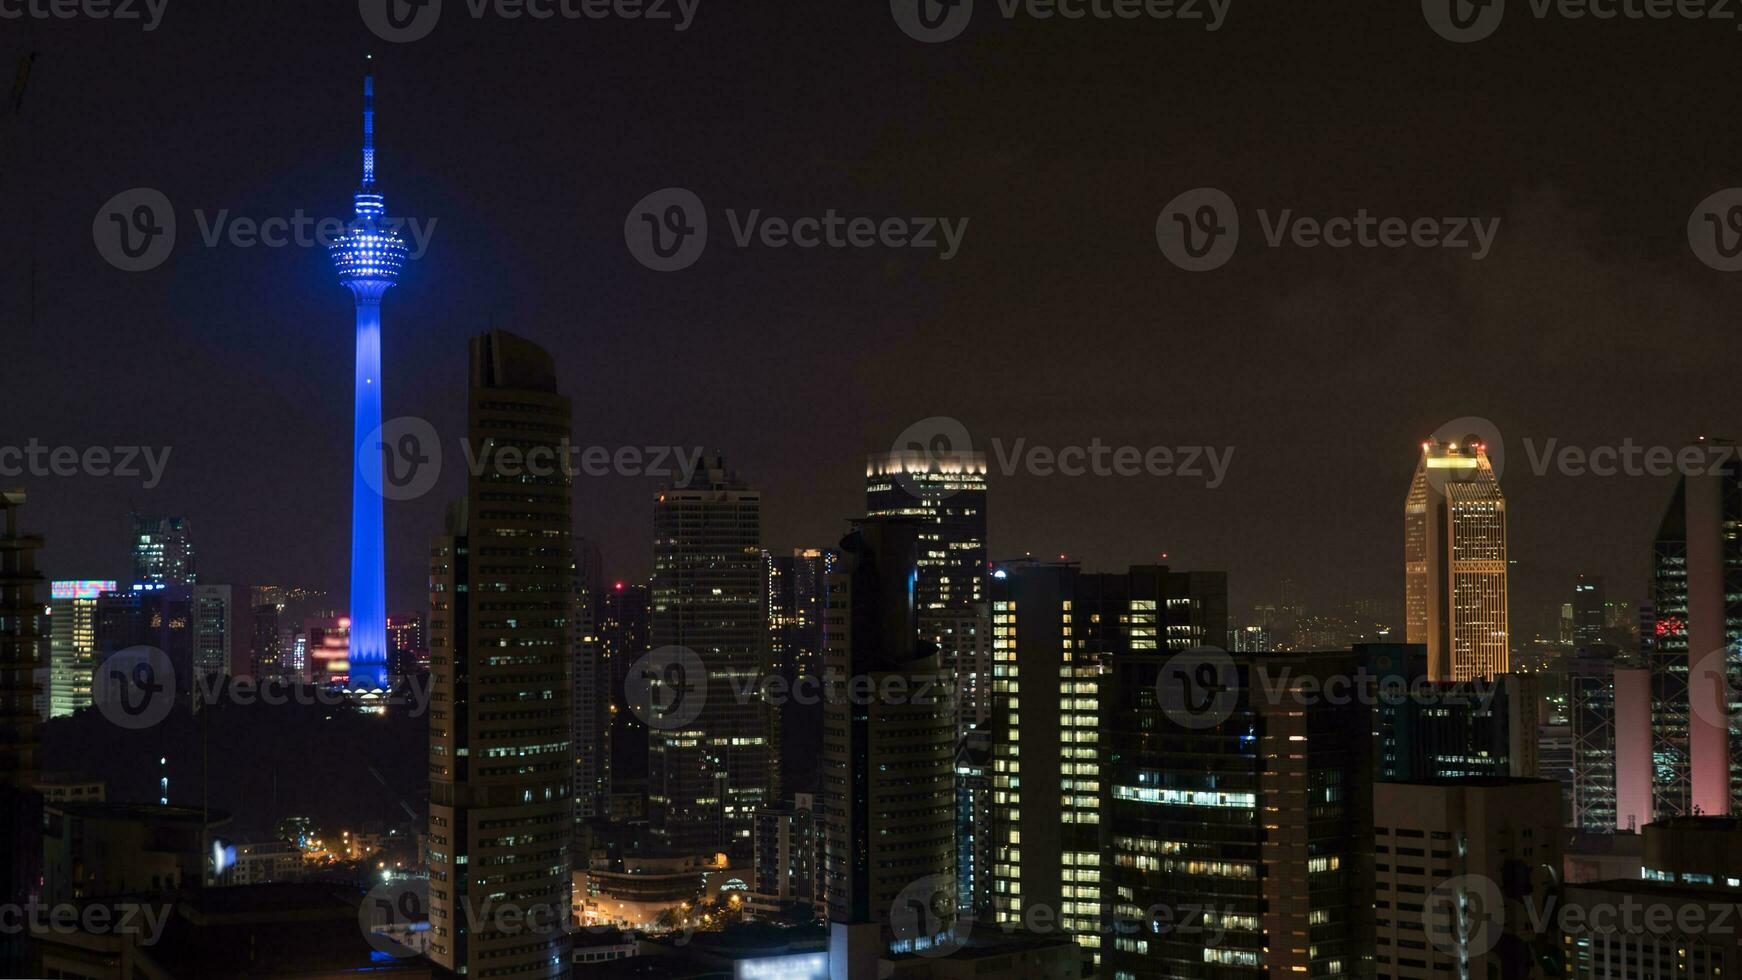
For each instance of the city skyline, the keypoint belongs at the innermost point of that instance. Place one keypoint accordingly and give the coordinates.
(906, 492)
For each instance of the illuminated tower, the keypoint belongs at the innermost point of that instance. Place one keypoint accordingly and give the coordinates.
(1454, 542)
(368, 257)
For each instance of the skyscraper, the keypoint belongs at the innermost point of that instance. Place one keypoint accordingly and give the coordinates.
(1057, 634)
(1253, 804)
(21, 654)
(1454, 524)
(592, 694)
(797, 591)
(72, 643)
(1444, 850)
(368, 257)
(1589, 613)
(624, 622)
(888, 761)
(501, 754)
(1694, 648)
(946, 493)
(163, 551)
(707, 777)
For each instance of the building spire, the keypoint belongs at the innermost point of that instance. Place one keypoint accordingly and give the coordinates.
(369, 123)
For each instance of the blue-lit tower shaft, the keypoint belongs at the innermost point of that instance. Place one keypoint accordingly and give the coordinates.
(368, 258)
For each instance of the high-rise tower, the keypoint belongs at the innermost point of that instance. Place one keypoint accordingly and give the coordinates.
(501, 728)
(368, 257)
(706, 778)
(1454, 542)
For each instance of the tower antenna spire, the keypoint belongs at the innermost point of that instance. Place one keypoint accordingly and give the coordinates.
(369, 122)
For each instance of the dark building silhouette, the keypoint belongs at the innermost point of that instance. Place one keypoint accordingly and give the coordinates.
(888, 756)
(501, 723)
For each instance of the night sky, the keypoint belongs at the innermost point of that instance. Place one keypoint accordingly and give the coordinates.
(1059, 322)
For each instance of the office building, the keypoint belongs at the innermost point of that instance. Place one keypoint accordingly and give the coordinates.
(163, 552)
(407, 645)
(501, 725)
(21, 654)
(1442, 850)
(1433, 730)
(194, 626)
(1057, 634)
(1609, 709)
(888, 752)
(623, 625)
(592, 693)
(785, 876)
(1693, 643)
(1590, 613)
(796, 589)
(1235, 790)
(1455, 594)
(706, 777)
(72, 643)
(946, 494)
(975, 836)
